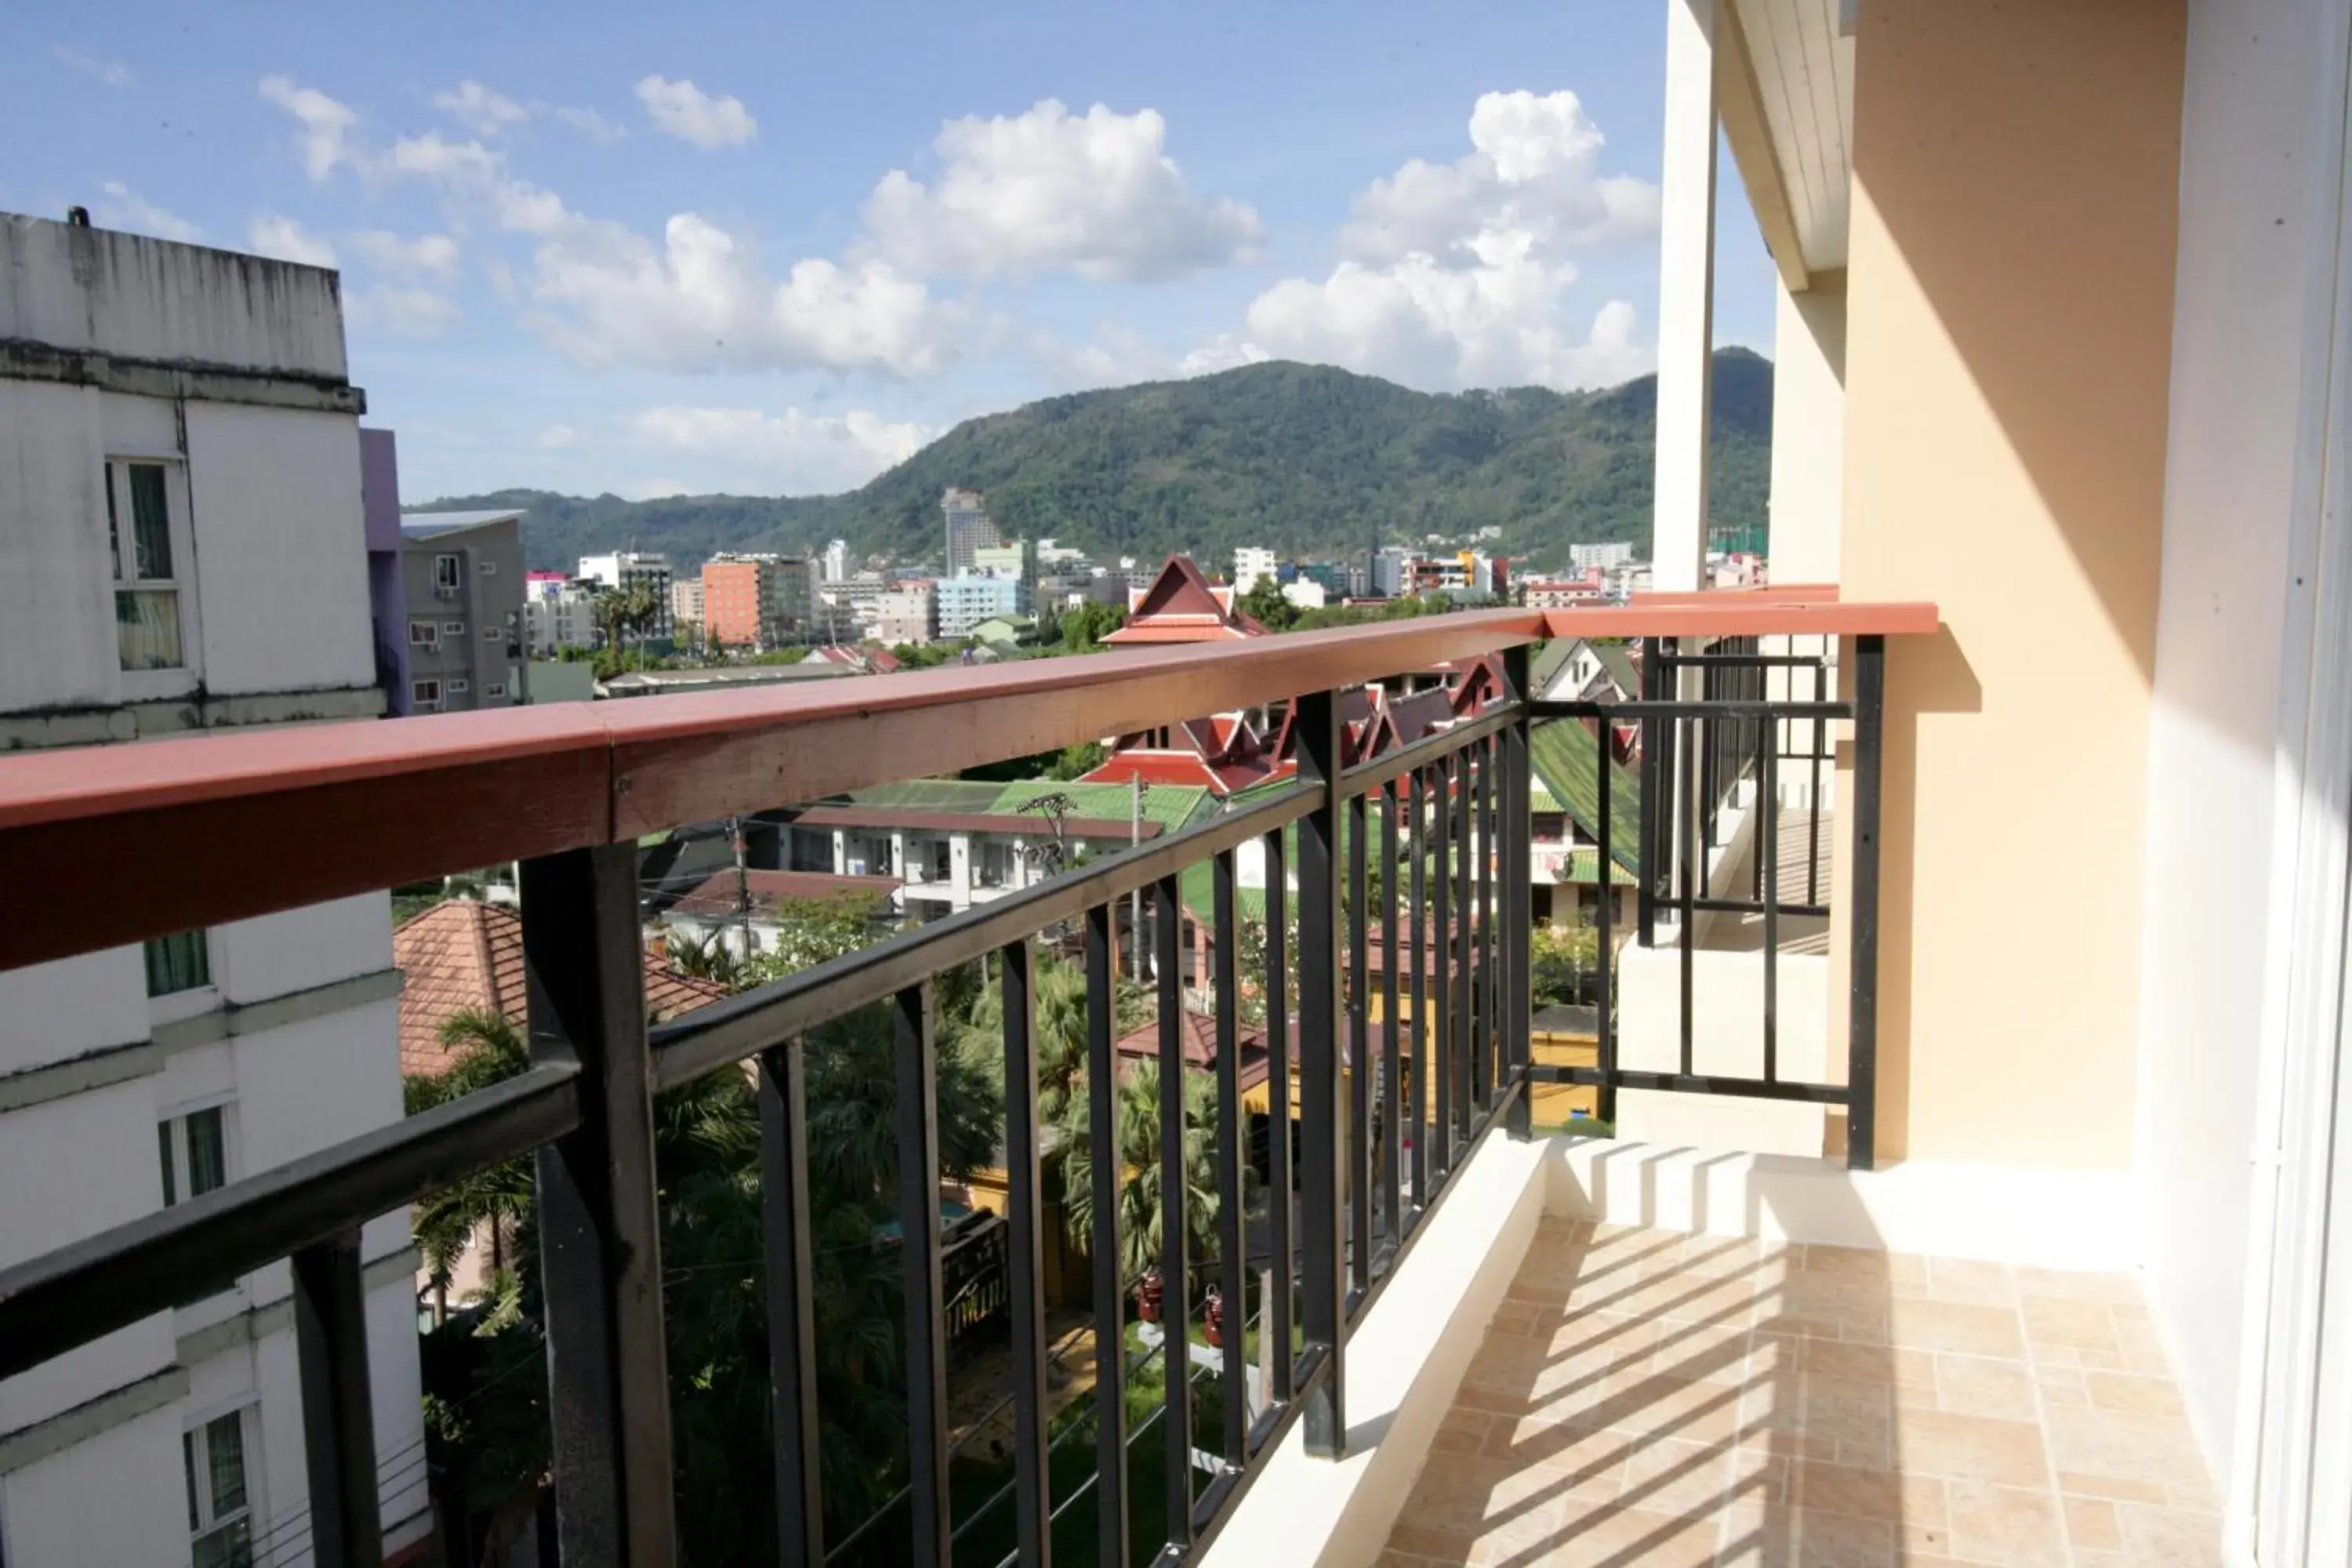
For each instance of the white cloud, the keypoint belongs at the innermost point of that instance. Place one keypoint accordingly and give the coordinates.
(1094, 194)
(682, 109)
(1533, 170)
(650, 489)
(110, 73)
(1224, 352)
(403, 312)
(1117, 355)
(470, 170)
(120, 206)
(272, 234)
(556, 437)
(791, 451)
(590, 124)
(703, 300)
(433, 253)
(479, 109)
(326, 123)
(1460, 275)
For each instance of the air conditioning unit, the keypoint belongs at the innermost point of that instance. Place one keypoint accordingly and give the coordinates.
(445, 590)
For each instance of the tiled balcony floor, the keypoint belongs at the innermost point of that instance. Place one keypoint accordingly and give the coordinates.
(1646, 1397)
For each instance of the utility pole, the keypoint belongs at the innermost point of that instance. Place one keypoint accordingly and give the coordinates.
(742, 886)
(1135, 837)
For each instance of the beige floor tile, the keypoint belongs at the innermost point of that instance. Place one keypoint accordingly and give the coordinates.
(1857, 1263)
(2080, 1326)
(1392, 1558)
(1492, 1502)
(1956, 1327)
(2122, 1391)
(1903, 1367)
(1665, 1475)
(2091, 1524)
(1460, 1431)
(1866, 1494)
(2012, 1525)
(1979, 1447)
(2116, 1488)
(2163, 1538)
(2077, 1285)
(1706, 1351)
(1584, 1463)
(1971, 1282)
(1843, 1409)
(2127, 1447)
(1774, 1536)
(1982, 1385)
(1602, 1535)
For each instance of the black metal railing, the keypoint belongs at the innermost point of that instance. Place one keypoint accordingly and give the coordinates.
(1691, 753)
(1453, 815)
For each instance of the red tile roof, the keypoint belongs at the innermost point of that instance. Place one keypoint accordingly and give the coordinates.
(460, 953)
(1182, 606)
(1200, 1039)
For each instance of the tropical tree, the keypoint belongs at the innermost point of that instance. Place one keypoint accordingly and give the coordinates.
(706, 957)
(1135, 1138)
(490, 1204)
(1265, 605)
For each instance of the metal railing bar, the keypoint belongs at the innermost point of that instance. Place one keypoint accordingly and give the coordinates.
(1696, 1083)
(1743, 660)
(1024, 1143)
(67, 1297)
(1768, 828)
(1315, 720)
(915, 1050)
(1359, 1070)
(792, 1302)
(727, 1032)
(1692, 864)
(1278, 1156)
(1233, 1266)
(1392, 1091)
(1366, 776)
(1110, 1308)
(1417, 1092)
(1720, 708)
(1442, 976)
(1175, 1304)
(330, 1345)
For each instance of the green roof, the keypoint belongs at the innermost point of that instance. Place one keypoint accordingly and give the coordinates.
(1584, 866)
(1566, 757)
(1169, 806)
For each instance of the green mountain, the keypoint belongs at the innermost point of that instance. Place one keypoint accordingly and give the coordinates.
(1308, 459)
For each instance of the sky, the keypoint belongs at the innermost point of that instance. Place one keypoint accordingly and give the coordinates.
(772, 250)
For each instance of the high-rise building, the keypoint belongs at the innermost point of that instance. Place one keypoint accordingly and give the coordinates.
(686, 602)
(184, 552)
(559, 611)
(628, 569)
(907, 613)
(968, 529)
(965, 602)
(755, 601)
(1389, 570)
(1602, 556)
(836, 561)
(1252, 562)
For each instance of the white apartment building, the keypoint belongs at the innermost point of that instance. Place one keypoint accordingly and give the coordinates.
(907, 613)
(965, 602)
(968, 529)
(630, 569)
(686, 602)
(1251, 562)
(561, 612)
(183, 549)
(1601, 557)
(834, 562)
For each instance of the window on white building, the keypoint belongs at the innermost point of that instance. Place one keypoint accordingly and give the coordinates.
(491, 634)
(457, 686)
(423, 634)
(447, 571)
(146, 585)
(453, 628)
(425, 696)
(195, 1152)
(180, 962)
(220, 1507)
(489, 568)
(494, 689)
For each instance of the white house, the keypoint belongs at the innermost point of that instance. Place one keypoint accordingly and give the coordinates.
(182, 548)
(1251, 562)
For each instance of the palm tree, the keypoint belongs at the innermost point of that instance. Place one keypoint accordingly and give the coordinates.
(1136, 1140)
(490, 1204)
(706, 957)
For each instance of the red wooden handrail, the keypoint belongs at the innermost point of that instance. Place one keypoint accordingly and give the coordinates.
(184, 833)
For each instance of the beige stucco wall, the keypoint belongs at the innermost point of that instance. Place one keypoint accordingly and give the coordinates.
(2008, 328)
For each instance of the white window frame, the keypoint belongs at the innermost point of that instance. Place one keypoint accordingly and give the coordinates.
(425, 635)
(455, 685)
(140, 685)
(486, 567)
(172, 1007)
(419, 701)
(452, 629)
(449, 571)
(494, 690)
(195, 1439)
(493, 633)
(180, 1188)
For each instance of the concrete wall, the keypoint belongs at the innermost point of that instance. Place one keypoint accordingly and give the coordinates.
(1808, 431)
(2009, 320)
(122, 294)
(2251, 111)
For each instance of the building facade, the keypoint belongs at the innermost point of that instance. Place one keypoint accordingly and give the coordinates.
(968, 531)
(1252, 562)
(755, 601)
(907, 613)
(965, 602)
(629, 569)
(559, 612)
(181, 554)
(687, 604)
(463, 572)
(834, 564)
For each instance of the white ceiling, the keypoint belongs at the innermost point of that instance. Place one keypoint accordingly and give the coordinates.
(1803, 58)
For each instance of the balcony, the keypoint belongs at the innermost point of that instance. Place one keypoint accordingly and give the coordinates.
(1444, 1337)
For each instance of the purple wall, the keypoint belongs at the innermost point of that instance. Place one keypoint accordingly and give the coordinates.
(387, 594)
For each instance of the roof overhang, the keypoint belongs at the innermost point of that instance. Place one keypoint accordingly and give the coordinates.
(1784, 92)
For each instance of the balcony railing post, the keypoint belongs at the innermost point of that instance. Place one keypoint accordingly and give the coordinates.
(1519, 1004)
(1862, 1019)
(338, 1425)
(1605, 945)
(915, 1049)
(1324, 1268)
(600, 1212)
(1024, 1141)
(791, 1300)
(1647, 837)
(1110, 1307)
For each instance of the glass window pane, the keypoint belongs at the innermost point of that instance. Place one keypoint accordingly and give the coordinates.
(230, 1546)
(207, 1155)
(225, 1441)
(113, 526)
(179, 961)
(147, 629)
(188, 1461)
(164, 1148)
(151, 522)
